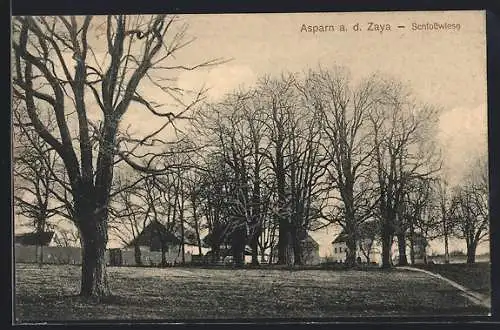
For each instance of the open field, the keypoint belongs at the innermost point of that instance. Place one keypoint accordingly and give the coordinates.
(49, 293)
(475, 277)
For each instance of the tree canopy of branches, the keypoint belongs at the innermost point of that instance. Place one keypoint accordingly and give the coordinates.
(80, 68)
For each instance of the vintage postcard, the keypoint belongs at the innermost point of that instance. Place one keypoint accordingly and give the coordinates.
(250, 166)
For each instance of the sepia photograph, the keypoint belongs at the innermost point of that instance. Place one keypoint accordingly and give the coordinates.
(268, 166)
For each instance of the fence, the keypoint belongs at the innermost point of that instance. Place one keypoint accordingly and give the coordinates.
(48, 254)
(72, 255)
(152, 258)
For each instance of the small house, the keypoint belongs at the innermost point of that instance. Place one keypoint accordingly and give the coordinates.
(154, 240)
(366, 250)
(309, 247)
(310, 251)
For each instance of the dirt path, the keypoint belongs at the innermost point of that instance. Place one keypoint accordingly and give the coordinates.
(473, 296)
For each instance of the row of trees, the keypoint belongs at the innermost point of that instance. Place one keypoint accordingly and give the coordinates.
(300, 152)
(327, 150)
(261, 167)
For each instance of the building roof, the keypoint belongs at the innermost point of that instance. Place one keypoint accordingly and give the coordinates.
(155, 234)
(41, 238)
(207, 240)
(365, 227)
(310, 241)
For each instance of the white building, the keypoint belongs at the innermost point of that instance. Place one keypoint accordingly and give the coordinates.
(366, 251)
(372, 250)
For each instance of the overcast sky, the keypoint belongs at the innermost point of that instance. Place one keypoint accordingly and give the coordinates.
(446, 68)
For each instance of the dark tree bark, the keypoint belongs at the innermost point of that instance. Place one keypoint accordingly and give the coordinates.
(238, 245)
(254, 245)
(403, 260)
(283, 241)
(412, 245)
(297, 246)
(94, 276)
(183, 251)
(137, 255)
(387, 237)
(351, 243)
(284, 225)
(196, 220)
(446, 245)
(257, 210)
(163, 256)
(471, 252)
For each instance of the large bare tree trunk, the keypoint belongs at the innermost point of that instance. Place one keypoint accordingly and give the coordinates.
(386, 247)
(446, 245)
(256, 216)
(284, 227)
(215, 252)
(94, 277)
(403, 260)
(196, 224)
(351, 241)
(163, 256)
(471, 253)
(255, 247)
(238, 246)
(183, 249)
(297, 247)
(282, 240)
(350, 260)
(271, 255)
(137, 255)
(412, 244)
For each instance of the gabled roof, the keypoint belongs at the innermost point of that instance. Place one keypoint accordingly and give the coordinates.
(207, 240)
(341, 238)
(42, 238)
(310, 241)
(367, 226)
(155, 232)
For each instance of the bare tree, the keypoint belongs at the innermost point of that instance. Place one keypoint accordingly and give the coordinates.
(70, 87)
(278, 96)
(402, 134)
(470, 207)
(305, 172)
(345, 114)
